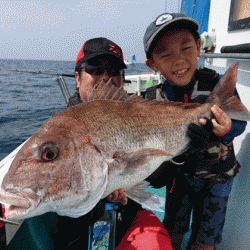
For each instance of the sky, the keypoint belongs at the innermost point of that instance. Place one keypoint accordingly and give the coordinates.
(56, 30)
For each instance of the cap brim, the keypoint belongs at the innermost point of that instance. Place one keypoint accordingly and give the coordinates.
(117, 59)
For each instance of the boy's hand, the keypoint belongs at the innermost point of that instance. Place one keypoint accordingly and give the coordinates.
(118, 196)
(221, 123)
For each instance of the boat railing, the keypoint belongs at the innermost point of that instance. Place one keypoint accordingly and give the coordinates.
(218, 60)
(226, 55)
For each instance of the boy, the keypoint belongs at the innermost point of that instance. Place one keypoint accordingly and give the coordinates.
(172, 45)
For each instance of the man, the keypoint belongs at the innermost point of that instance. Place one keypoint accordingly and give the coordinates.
(98, 59)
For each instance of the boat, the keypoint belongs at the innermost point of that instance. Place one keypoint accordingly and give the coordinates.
(128, 62)
(232, 44)
(133, 59)
(137, 84)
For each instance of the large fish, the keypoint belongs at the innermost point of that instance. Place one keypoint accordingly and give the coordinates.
(112, 141)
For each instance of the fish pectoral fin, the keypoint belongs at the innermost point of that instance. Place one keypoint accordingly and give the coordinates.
(120, 161)
(139, 158)
(147, 199)
(135, 167)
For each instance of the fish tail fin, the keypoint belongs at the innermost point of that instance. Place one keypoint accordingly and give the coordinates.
(223, 96)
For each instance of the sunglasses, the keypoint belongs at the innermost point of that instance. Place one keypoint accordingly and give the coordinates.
(99, 70)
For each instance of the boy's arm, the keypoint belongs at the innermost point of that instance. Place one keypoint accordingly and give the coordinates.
(238, 127)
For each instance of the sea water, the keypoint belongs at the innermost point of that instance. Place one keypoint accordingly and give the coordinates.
(27, 100)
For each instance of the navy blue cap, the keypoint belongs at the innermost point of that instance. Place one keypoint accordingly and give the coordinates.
(170, 21)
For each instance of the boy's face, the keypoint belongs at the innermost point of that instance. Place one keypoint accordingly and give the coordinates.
(175, 56)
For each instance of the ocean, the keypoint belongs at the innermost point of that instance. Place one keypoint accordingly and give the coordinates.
(29, 99)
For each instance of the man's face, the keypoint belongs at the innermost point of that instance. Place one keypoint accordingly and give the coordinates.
(175, 56)
(85, 82)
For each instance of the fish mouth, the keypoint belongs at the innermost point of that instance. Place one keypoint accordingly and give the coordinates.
(16, 204)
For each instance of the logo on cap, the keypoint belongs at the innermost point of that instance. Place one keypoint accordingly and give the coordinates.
(163, 19)
(115, 50)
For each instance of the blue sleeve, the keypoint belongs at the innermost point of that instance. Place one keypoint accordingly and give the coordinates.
(238, 127)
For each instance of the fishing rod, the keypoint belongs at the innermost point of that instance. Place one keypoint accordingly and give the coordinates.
(38, 72)
(64, 89)
(10, 222)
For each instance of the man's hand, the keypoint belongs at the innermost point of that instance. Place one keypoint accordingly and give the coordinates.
(221, 121)
(118, 196)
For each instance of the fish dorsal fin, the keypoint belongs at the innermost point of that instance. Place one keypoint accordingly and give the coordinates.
(107, 91)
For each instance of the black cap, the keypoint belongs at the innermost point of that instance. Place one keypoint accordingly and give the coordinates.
(174, 20)
(100, 46)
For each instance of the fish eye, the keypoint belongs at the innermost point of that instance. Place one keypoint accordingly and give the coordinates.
(49, 152)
